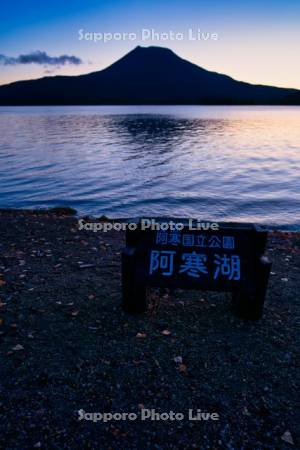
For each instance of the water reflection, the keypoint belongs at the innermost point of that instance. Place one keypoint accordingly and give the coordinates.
(215, 162)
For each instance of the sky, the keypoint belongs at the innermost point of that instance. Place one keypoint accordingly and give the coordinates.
(255, 41)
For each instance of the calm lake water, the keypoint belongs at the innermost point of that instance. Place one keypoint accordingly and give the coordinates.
(209, 162)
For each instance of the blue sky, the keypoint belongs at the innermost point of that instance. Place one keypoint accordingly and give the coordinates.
(258, 41)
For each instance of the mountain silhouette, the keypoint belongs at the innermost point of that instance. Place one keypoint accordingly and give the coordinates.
(146, 75)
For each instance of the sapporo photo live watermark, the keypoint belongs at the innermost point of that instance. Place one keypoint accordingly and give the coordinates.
(148, 35)
(149, 414)
(147, 224)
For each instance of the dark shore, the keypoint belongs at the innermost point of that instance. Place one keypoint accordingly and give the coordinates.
(66, 345)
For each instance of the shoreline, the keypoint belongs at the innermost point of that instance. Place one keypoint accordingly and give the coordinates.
(70, 211)
(66, 345)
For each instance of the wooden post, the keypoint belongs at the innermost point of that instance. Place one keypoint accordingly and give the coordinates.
(249, 305)
(133, 291)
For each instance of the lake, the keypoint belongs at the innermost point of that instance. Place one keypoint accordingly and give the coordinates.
(232, 163)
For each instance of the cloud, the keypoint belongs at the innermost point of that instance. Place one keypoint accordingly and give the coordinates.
(39, 57)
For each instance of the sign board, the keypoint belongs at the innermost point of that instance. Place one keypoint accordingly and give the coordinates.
(227, 259)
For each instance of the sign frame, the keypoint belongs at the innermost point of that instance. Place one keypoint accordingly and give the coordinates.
(207, 268)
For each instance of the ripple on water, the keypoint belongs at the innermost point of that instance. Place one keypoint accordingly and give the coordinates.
(221, 163)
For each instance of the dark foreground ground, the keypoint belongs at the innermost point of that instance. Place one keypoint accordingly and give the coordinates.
(66, 345)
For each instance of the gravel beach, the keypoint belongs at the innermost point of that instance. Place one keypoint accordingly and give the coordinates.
(67, 346)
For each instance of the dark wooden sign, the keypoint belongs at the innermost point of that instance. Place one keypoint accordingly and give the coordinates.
(228, 259)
